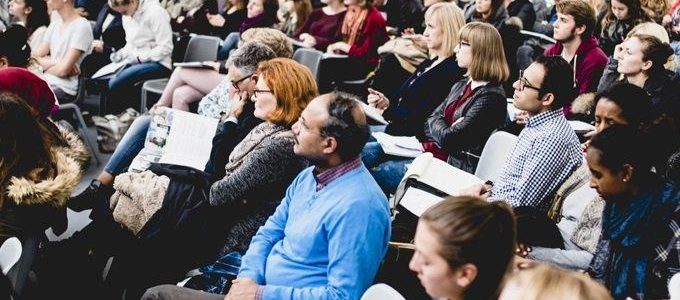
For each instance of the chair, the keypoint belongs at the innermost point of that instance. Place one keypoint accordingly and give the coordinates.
(200, 48)
(78, 115)
(18, 274)
(495, 152)
(381, 291)
(10, 252)
(311, 58)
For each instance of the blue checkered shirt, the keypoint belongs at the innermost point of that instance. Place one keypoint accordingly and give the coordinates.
(547, 152)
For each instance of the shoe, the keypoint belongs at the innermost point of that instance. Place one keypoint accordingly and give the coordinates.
(91, 197)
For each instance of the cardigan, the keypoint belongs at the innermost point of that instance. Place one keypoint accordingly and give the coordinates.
(484, 111)
(324, 28)
(263, 166)
(373, 35)
(321, 243)
(419, 95)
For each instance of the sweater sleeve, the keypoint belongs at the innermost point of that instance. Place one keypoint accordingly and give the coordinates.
(160, 26)
(374, 35)
(485, 114)
(263, 165)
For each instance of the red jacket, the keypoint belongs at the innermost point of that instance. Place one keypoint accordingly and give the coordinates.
(590, 63)
(373, 35)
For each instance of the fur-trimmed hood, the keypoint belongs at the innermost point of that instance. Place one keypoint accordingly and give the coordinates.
(76, 148)
(55, 191)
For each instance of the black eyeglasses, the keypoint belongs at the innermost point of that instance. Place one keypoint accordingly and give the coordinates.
(256, 92)
(523, 83)
(235, 83)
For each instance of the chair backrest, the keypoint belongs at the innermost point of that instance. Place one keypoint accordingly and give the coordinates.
(381, 291)
(311, 58)
(202, 48)
(10, 252)
(496, 151)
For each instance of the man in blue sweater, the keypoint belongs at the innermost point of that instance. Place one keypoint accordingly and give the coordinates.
(329, 234)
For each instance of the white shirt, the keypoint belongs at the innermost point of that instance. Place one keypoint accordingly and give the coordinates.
(148, 35)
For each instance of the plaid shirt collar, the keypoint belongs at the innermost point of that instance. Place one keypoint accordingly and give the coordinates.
(544, 117)
(325, 177)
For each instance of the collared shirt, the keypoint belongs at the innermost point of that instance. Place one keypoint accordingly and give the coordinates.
(321, 243)
(546, 153)
(325, 177)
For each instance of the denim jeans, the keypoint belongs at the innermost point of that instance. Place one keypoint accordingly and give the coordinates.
(387, 170)
(229, 43)
(122, 91)
(676, 48)
(129, 146)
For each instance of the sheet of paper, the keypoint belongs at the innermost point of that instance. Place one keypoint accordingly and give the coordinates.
(405, 146)
(334, 55)
(418, 201)
(581, 127)
(190, 140)
(297, 43)
(109, 69)
(193, 64)
(372, 113)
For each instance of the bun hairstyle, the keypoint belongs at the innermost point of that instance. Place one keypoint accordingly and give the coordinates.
(654, 50)
(14, 46)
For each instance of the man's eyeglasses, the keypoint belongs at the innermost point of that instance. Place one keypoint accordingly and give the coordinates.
(235, 83)
(523, 83)
(257, 92)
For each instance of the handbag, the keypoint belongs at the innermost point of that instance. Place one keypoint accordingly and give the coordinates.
(111, 128)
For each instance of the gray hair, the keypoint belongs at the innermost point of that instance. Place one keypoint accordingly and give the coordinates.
(347, 124)
(249, 55)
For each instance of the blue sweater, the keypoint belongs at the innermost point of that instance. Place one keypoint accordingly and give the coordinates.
(325, 244)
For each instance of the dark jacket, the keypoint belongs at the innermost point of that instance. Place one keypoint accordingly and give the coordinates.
(484, 112)
(113, 35)
(613, 35)
(199, 23)
(524, 10)
(497, 20)
(419, 95)
(588, 66)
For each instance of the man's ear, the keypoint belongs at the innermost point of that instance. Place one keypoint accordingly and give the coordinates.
(330, 145)
(548, 99)
(465, 275)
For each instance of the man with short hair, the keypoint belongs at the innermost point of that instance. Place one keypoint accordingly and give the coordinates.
(576, 43)
(547, 150)
(329, 234)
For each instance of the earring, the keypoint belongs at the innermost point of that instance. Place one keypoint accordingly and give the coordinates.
(625, 180)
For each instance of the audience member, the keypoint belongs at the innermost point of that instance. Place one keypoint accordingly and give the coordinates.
(547, 150)
(546, 282)
(146, 53)
(672, 22)
(178, 9)
(621, 17)
(628, 260)
(109, 37)
(293, 15)
(243, 64)
(404, 14)
(522, 9)
(363, 31)
(66, 42)
(14, 50)
(5, 18)
(656, 10)
(324, 25)
(208, 19)
(640, 59)
(463, 248)
(487, 11)
(33, 15)
(577, 45)
(89, 8)
(259, 14)
(311, 248)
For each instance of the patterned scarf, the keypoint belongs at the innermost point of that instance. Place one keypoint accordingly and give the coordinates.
(353, 23)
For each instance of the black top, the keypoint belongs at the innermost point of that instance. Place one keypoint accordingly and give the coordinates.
(419, 95)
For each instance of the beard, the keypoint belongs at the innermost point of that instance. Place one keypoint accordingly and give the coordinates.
(571, 37)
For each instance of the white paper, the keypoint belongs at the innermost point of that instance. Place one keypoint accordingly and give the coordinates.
(334, 55)
(440, 175)
(190, 140)
(404, 146)
(298, 43)
(580, 126)
(372, 113)
(109, 69)
(193, 64)
(418, 201)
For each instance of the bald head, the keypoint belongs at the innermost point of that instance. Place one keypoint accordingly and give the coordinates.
(346, 122)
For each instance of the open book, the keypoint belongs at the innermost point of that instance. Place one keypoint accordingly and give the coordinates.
(404, 146)
(176, 137)
(436, 174)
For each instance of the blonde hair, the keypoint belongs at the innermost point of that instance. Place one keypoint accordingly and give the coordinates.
(655, 30)
(450, 17)
(274, 39)
(488, 58)
(548, 282)
(293, 86)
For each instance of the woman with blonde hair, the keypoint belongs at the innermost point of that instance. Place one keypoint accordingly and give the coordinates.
(463, 248)
(548, 282)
